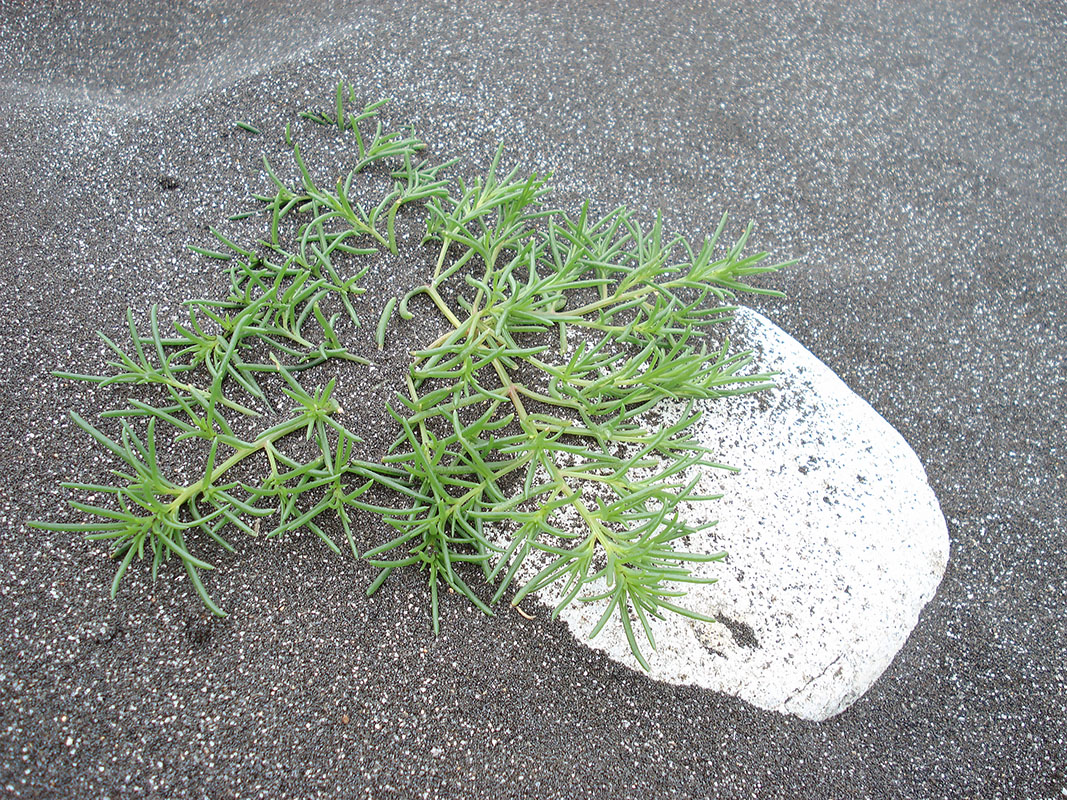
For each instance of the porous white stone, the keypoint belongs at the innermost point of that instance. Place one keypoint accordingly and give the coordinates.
(835, 542)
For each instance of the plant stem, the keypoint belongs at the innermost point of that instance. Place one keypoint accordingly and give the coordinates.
(263, 443)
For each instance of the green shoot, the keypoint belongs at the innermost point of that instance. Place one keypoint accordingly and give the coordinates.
(521, 455)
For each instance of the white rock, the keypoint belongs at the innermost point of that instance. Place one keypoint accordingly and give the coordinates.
(835, 541)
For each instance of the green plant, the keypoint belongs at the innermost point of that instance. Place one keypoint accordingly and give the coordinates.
(520, 428)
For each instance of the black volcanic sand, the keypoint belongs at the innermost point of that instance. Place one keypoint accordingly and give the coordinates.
(914, 158)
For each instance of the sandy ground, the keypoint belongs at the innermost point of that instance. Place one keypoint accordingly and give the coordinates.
(913, 157)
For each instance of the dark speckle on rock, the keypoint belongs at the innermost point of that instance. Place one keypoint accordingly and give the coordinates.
(741, 632)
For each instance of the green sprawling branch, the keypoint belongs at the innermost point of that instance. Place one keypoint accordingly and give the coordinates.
(522, 454)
